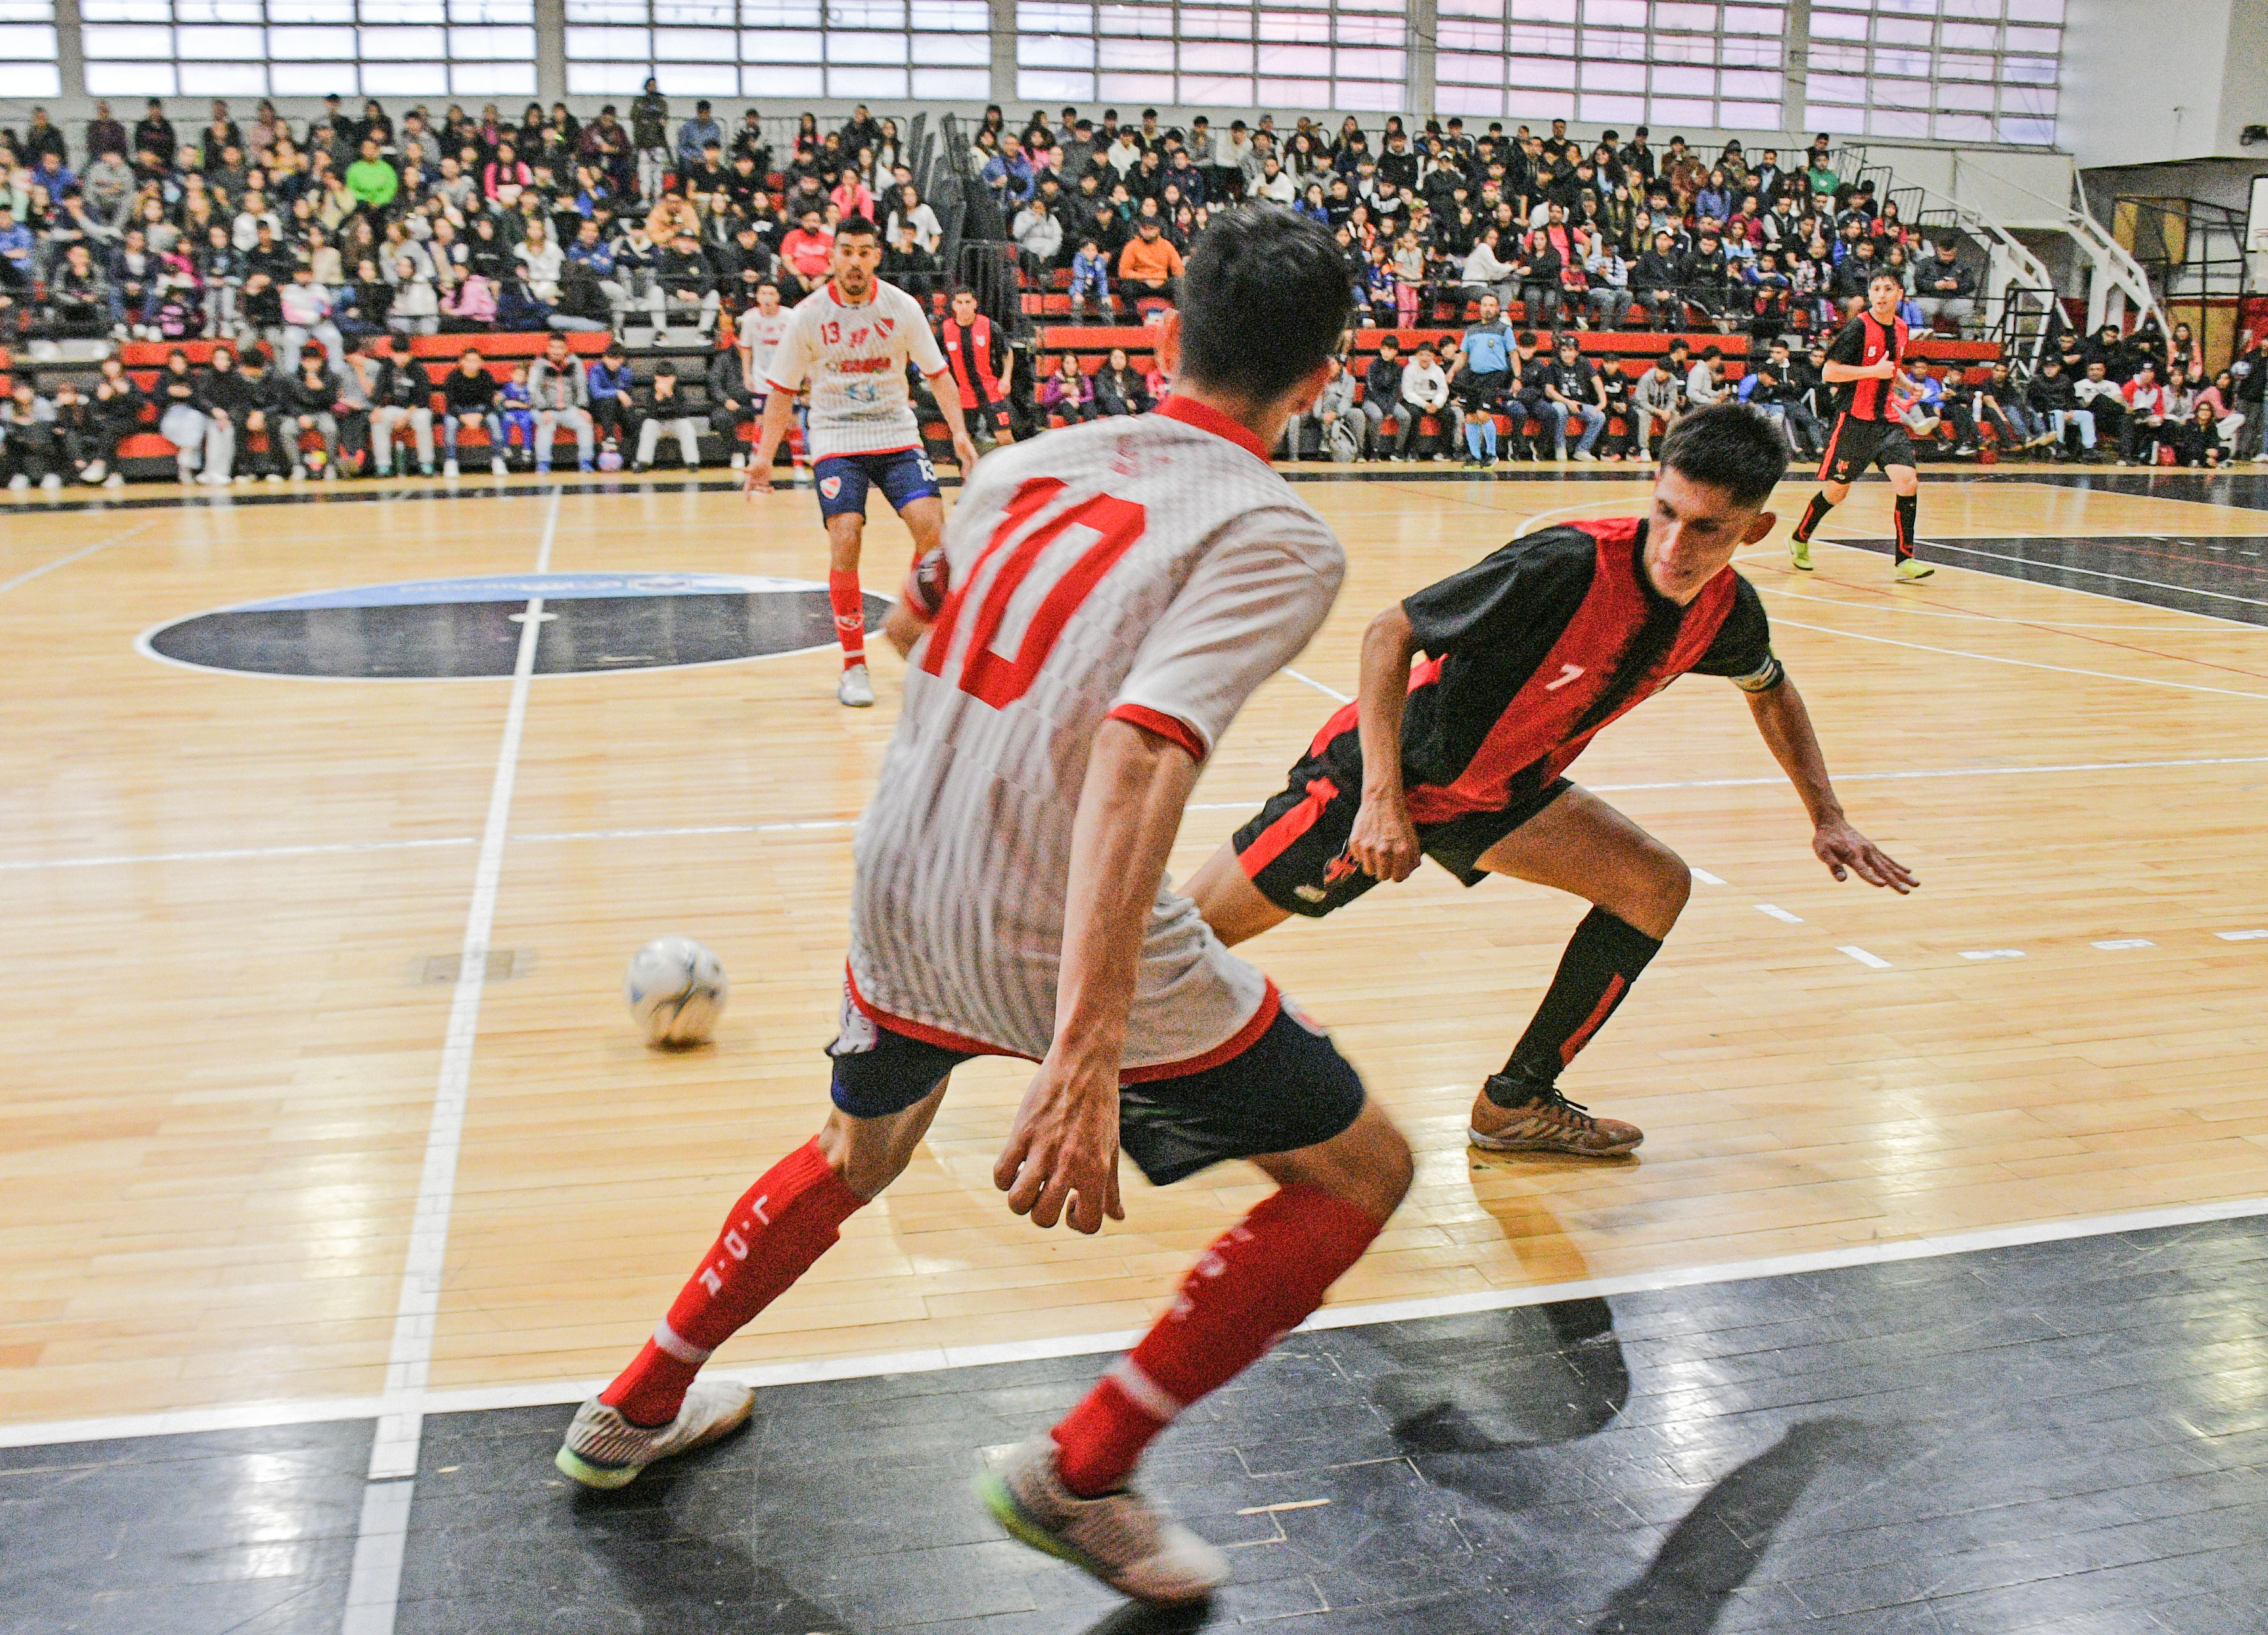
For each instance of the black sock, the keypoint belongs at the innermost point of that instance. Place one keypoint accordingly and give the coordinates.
(1813, 514)
(1907, 506)
(1603, 958)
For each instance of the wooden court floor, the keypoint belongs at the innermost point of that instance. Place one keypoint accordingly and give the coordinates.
(224, 899)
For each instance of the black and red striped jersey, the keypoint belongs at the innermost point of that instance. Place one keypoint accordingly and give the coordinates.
(1533, 649)
(1864, 341)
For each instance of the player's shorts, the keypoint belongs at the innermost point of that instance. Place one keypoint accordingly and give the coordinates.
(1857, 443)
(1289, 1089)
(994, 414)
(1295, 851)
(904, 476)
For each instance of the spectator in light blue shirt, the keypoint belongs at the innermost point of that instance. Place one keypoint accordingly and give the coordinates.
(16, 250)
(694, 136)
(1009, 173)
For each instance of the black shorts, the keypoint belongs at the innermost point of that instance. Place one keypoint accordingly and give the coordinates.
(1295, 851)
(1289, 1089)
(1855, 444)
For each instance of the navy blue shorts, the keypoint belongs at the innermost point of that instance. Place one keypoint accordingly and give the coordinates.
(1289, 1089)
(903, 477)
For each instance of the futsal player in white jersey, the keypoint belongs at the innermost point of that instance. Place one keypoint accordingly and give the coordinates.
(1108, 597)
(850, 338)
(758, 335)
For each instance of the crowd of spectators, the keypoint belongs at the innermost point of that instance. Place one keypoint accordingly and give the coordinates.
(315, 253)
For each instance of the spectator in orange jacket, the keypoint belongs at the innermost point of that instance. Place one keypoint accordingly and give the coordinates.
(1150, 265)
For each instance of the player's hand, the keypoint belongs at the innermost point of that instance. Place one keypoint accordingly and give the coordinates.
(1845, 852)
(1887, 370)
(964, 451)
(1063, 1147)
(759, 480)
(1384, 843)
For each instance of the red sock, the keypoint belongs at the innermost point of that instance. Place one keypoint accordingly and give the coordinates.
(783, 1222)
(1257, 1282)
(850, 614)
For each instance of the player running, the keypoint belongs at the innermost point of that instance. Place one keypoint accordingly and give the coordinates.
(1864, 361)
(1109, 599)
(851, 339)
(1530, 653)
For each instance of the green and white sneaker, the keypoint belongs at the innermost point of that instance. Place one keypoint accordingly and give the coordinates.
(605, 1450)
(1121, 1538)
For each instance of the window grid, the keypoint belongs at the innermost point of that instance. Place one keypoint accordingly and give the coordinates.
(27, 49)
(866, 50)
(1339, 56)
(1621, 63)
(1963, 70)
(309, 47)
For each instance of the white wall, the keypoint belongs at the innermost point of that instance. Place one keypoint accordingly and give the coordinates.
(2146, 81)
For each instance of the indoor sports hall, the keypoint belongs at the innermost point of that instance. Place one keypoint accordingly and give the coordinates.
(337, 1171)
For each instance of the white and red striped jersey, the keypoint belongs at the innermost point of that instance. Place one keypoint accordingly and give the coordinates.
(759, 335)
(855, 359)
(1154, 568)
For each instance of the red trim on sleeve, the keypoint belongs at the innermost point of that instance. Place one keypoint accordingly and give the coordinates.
(1164, 726)
(1205, 417)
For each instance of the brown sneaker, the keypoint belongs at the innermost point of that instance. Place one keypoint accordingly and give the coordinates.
(1549, 1123)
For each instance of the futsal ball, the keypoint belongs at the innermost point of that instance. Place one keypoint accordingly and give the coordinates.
(677, 991)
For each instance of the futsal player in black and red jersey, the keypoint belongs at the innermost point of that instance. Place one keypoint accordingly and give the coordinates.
(1529, 654)
(1865, 362)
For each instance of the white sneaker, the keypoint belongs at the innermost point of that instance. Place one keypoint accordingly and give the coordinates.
(95, 472)
(1585, 455)
(603, 1449)
(740, 462)
(51, 482)
(216, 479)
(855, 689)
(17, 483)
(1121, 1538)
(448, 468)
(273, 476)
(498, 469)
(115, 480)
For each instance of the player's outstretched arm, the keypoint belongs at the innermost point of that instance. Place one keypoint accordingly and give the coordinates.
(779, 408)
(1786, 727)
(1384, 842)
(1063, 1148)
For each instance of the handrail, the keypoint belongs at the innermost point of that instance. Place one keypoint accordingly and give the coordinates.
(2023, 270)
(2110, 256)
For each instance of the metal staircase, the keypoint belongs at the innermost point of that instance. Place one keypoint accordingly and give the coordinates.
(2019, 289)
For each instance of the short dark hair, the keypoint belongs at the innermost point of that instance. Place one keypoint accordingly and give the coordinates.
(1264, 300)
(665, 368)
(1886, 276)
(1729, 446)
(855, 227)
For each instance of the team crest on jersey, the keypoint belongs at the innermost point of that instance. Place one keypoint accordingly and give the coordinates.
(830, 486)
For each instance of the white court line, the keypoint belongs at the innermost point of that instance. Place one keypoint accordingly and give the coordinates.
(1992, 954)
(478, 1399)
(27, 865)
(2116, 578)
(1329, 692)
(2242, 936)
(1772, 910)
(375, 1580)
(2112, 944)
(1872, 961)
(2027, 664)
(1908, 610)
(84, 551)
(337, 849)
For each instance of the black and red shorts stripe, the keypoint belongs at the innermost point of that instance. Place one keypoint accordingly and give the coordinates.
(1295, 851)
(1855, 444)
